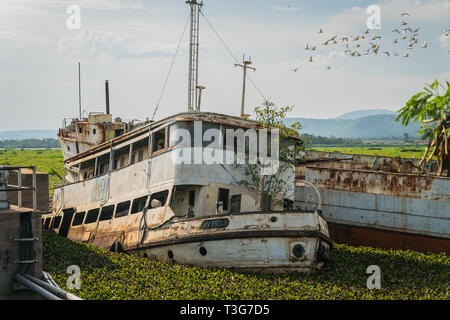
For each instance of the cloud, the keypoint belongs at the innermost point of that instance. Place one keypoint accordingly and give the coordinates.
(288, 8)
(33, 6)
(90, 43)
(444, 41)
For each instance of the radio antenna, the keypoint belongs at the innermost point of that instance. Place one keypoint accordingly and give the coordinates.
(193, 55)
(79, 88)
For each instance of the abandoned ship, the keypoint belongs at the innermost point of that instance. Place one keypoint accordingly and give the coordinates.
(123, 191)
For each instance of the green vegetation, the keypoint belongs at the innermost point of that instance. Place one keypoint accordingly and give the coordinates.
(107, 275)
(400, 152)
(432, 110)
(313, 140)
(46, 160)
(29, 143)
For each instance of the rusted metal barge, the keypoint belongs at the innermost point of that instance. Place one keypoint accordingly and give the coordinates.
(379, 201)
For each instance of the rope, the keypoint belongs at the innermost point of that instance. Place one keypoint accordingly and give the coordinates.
(171, 67)
(231, 53)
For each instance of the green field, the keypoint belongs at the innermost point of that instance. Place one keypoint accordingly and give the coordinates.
(106, 275)
(44, 159)
(400, 152)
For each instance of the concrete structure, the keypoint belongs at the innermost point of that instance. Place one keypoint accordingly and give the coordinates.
(20, 244)
(42, 184)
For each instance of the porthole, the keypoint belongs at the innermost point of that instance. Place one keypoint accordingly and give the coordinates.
(203, 251)
(170, 254)
(273, 219)
(94, 131)
(298, 251)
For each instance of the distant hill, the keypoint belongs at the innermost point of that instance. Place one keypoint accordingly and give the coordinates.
(353, 115)
(375, 126)
(27, 134)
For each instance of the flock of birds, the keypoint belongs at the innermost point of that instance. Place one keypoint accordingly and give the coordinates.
(354, 46)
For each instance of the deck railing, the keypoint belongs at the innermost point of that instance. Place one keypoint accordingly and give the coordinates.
(19, 188)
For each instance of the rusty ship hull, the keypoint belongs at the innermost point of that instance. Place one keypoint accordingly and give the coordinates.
(390, 203)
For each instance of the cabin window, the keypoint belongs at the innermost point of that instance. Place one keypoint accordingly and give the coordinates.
(159, 140)
(122, 162)
(138, 204)
(78, 219)
(178, 131)
(224, 195)
(161, 196)
(118, 132)
(56, 222)
(213, 134)
(192, 198)
(92, 216)
(122, 209)
(235, 203)
(107, 213)
(141, 155)
(47, 223)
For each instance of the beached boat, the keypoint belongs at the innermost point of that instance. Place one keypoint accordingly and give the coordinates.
(167, 189)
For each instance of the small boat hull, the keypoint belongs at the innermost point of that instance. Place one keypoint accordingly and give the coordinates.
(275, 242)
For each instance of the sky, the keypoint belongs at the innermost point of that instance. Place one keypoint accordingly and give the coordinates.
(132, 43)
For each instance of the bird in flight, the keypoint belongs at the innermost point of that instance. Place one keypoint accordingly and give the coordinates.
(387, 53)
(295, 70)
(406, 55)
(328, 68)
(425, 45)
(321, 30)
(310, 59)
(404, 14)
(395, 30)
(307, 47)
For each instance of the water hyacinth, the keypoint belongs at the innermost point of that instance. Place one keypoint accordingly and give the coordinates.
(107, 275)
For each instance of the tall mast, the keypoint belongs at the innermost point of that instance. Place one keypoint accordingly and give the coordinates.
(193, 54)
(79, 88)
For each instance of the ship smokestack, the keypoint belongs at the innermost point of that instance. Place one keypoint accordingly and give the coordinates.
(107, 96)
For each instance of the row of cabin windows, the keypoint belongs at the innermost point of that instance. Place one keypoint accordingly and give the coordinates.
(119, 162)
(121, 210)
(163, 139)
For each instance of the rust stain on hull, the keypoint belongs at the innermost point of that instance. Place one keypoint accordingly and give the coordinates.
(359, 236)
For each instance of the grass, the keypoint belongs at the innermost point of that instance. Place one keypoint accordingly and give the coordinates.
(399, 152)
(106, 275)
(44, 159)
